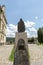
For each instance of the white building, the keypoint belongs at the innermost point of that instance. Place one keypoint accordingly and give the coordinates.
(3, 23)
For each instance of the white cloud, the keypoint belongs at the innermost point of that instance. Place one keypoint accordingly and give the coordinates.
(39, 18)
(36, 17)
(28, 34)
(34, 35)
(12, 29)
(33, 29)
(30, 28)
(42, 19)
(29, 24)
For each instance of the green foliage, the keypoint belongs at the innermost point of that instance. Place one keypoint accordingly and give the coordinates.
(11, 57)
(10, 39)
(40, 35)
(40, 44)
(31, 39)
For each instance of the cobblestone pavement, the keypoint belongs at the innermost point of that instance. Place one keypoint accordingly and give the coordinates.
(5, 51)
(36, 54)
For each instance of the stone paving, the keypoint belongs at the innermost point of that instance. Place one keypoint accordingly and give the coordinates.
(36, 54)
(5, 51)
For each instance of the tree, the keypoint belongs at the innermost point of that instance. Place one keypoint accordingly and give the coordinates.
(40, 35)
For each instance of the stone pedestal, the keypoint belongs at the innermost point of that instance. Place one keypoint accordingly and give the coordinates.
(21, 56)
(19, 36)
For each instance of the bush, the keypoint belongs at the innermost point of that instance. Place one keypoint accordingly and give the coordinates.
(40, 35)
(31, 40)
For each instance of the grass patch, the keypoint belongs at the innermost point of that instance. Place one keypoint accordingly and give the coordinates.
(40, 44)
(11, 57)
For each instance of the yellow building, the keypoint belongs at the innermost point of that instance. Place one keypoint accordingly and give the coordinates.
(3, 23)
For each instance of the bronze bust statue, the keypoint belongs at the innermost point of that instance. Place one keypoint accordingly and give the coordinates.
(21, 26)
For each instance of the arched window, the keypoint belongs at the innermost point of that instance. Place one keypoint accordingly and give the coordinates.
(21, 44)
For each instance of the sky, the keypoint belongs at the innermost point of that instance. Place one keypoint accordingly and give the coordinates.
(31, 11)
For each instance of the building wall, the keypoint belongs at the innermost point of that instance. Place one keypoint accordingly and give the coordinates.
(2, 27)
(1, 38)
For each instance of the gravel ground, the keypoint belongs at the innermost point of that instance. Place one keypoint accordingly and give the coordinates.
(5, 51)
(36, 54)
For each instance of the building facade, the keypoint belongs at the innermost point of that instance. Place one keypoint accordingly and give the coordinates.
(3, 23)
